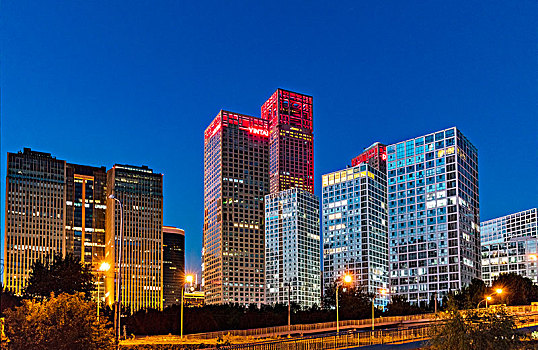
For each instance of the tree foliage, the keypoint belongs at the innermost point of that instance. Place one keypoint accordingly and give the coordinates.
(354, 302)
(64, 322)
(399, 306)
(517, 290)
(475, 330)
(62, 275)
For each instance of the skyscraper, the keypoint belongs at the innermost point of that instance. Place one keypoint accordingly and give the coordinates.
(291, 144)
(35, 214)
(85, 213)
(510, 245)
(355, 223)
(141, 192)
(292, 267)
(173, 264)
(236, 179)
(434, 217)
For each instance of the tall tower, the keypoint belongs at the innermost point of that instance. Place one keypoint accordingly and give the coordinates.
(236, 179)
(173, 264)
(291, 143)
(35, 214)
(434, 218)
(355, 223)
(141, 192)
(85, 213)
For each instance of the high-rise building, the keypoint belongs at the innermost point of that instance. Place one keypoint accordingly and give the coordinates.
(292, 268)
(140, 190)
(85, 213)
(291, 160)
(236, 179)
(510, 245)
(173, 264)
(354, 221)
(35, 214)
(434, 221)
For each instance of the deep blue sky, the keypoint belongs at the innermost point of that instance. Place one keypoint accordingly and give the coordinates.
(138, 81)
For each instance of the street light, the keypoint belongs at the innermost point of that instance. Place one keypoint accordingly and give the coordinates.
(382, 291)
(188, 279)
(347, 279)
(118, 284)
(103, 268)
(488, 298)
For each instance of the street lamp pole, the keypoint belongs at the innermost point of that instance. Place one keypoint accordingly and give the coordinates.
(289, 307)
(118, 284)
(381, 292)
(347, 279)
(103, 268)
(188, 279)
(488, 298)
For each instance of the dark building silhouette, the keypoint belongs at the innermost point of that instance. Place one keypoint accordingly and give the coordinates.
(173, 264)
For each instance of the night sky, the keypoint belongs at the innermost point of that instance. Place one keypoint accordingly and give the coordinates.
(137, 82)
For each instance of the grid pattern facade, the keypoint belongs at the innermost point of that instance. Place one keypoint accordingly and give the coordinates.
(354, 219)
(292, 248)
(291, 141)
(85, 213)
(173, 264)
(141, 192)
(521, 224)
(34, 217)
(236, 179)
(509, 245)
(434, 218)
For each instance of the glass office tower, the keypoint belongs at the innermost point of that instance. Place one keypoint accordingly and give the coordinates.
(292, 268)
(510, 245)
(236, 179)
(355, 227)
(434, 220)
(291, 140)
(173, 264)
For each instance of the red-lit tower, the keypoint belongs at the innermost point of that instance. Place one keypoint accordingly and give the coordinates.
(236, 179)
(375, 155)
(291, 140)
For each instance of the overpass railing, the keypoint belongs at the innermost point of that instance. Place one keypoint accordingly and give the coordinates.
(313, 327)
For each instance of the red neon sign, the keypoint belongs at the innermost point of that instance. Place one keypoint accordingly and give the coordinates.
(258, 131)
(372, 152)
(212, 129)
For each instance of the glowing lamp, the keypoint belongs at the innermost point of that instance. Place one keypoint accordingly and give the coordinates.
(347, 278)
(499, 291)
(104, 267)
(189, 278)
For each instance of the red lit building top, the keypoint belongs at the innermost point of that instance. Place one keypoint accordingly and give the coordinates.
(375, 155)
(291, 141)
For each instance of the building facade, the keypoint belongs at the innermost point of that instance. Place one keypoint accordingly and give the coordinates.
(292, 242)
(173, 264)
(509, 245)
(85, 213)
(354, 222)
(434, 219)
(141, 192)
(35, 214)
(291, 140)
(236, 179)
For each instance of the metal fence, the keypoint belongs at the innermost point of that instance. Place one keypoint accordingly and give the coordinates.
(301, 328)
(350, 339)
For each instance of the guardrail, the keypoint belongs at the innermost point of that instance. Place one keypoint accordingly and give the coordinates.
(352, 339)
(299, 328)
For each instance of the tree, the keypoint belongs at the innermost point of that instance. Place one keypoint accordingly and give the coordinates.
(517, 290)
(63, 322)
(475, 330)
(62, 275)
(399, 306)
(354, 302)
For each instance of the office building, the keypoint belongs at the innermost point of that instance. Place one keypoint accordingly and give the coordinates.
(291, 144)
(236, 179)
(292, 269)
(434, 221)
(85, 213)
(173, 264)
(354, 221)
(510, 245)
(35, 214)
(140, 190)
